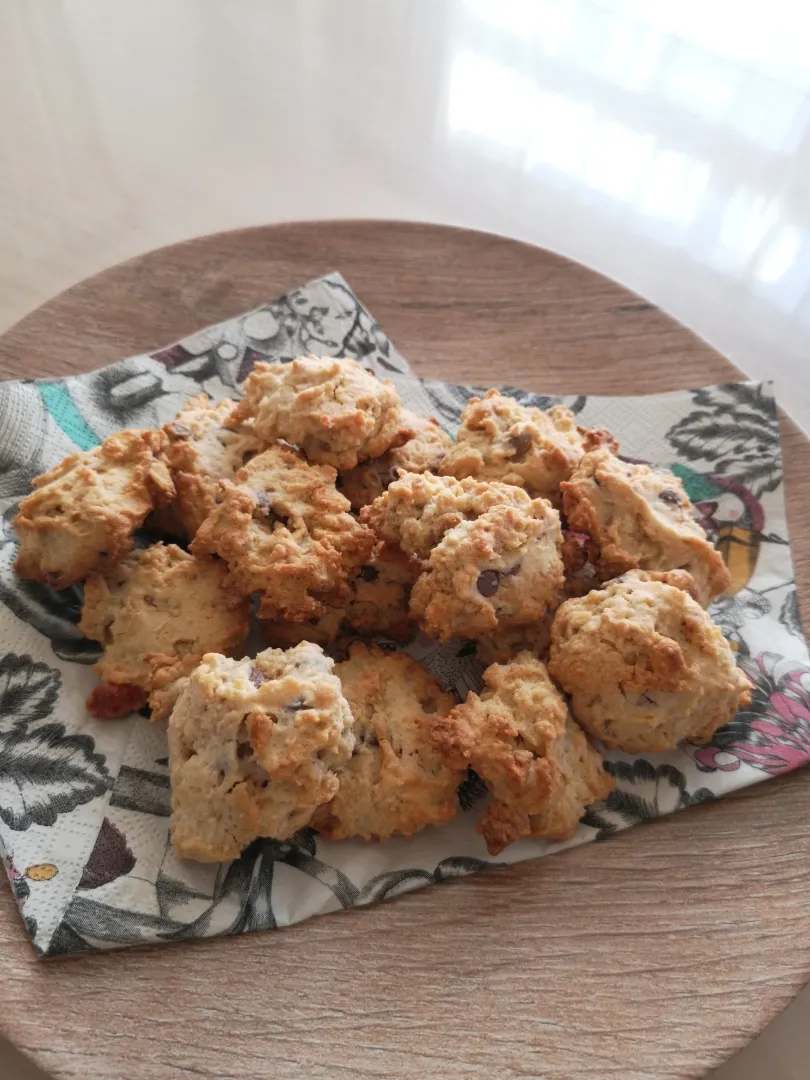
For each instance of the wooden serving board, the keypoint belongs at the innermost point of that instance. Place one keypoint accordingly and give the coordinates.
(653, 956)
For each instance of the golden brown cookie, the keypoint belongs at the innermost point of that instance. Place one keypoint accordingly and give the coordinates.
(168, 677)
(377, 605)
(500, 439)
(426, 446)
(418, 509)
(520, 739)
(285, 532)
(502, 569)
(395, 781)
(253, 749)
(159, 600)
(333, 409)
(645, 665)
(81, 515)
(640, 518)
(201, 450)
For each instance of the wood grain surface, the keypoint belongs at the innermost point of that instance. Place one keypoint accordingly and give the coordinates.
(653, 956)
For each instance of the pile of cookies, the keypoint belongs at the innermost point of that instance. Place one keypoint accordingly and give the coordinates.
(318, 511)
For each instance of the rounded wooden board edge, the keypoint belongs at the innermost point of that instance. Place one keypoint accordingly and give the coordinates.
(605, 336)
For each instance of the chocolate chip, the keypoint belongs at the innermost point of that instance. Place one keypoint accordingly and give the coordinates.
(512, 571)
(243, 750)
(296, 705)
(182, 431)
(369, 573)
(522, 444)
(488, 581)
(338, 481)
(258, 677)
(670, 497)
(265, 509)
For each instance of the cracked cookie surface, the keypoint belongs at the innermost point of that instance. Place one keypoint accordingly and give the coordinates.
(644, 664)
(425, 448)
(253, 749)
(537, 764)
(333, 409)
(157, 603)
(640, 518)
(419, 508)
(285, 532)
(378, 604)
(500, 439)
(501, 569)
(81, 515)
(396, 781)
(201, 450)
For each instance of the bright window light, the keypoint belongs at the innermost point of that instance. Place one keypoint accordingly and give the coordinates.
(673, 187)
(488, 100)
(779, 255)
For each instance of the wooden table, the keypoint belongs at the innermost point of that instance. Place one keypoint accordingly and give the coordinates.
(652, 956)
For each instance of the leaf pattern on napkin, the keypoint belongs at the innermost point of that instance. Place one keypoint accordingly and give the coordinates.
(44, 771)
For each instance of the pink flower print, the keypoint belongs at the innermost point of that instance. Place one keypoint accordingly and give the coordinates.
(773, 732)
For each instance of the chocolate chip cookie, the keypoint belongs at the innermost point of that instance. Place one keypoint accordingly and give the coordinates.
(520, 739)
(419, 508)
(202, 450)
(499, 439)
(644, 665)
(81, 515)
(396, 781)
(253, 749)
(640, 518)
(425, 447)
(161, 602)
(285, 532)
(333, 409)
(501, 569)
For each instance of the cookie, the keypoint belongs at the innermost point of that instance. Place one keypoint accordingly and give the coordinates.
(426, 446)
(168, 678)
(500, 439)
(285, 532)
(502, 569)
(159, 600)
(418, 509)
(645, 665)
(253, 749)
(396, 781)
(333, 409)
(640, 518)
(519, 738)
(81, 515)
(377, 605)
(200, 451)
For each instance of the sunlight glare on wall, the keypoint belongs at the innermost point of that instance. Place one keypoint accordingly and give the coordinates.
(673, 187)
(488, 100)
(747, 219)
(779, 255)
(617, 159)
(560, 133)
(545, 22)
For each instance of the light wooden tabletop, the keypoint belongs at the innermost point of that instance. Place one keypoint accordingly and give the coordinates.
(655, 955)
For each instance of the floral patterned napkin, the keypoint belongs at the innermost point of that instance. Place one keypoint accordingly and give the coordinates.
(84, 804)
